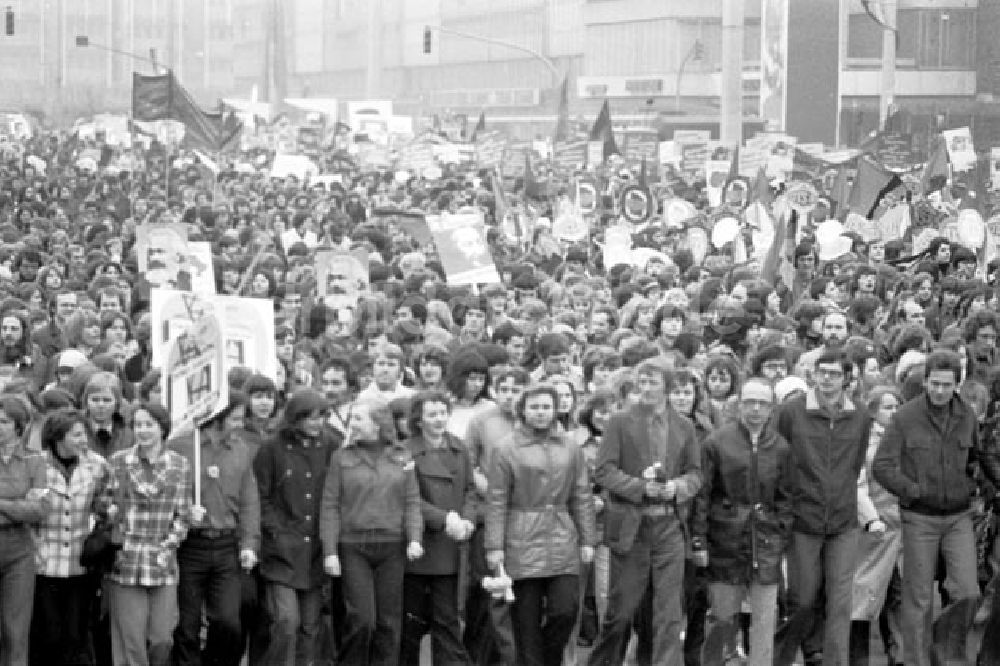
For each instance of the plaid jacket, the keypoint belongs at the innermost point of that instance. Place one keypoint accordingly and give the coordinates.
(153, 508)
(59, 537)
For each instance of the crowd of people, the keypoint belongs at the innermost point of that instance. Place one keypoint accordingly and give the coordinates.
(684, 460)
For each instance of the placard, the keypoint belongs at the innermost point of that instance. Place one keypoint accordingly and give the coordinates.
(461, 244)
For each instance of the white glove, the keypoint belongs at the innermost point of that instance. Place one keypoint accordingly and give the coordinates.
(112, 511)
(700, 558)
(470, 527)
(598, 503)
(587, 554)
(877, 526)
(197, 513)
(494, 559)
(414, 551)
(248, 559)
(453, 526)
(669, 490)
(480, 480)
(331, 565)
(163, 558)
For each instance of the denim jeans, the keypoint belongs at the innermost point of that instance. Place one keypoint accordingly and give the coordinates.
(727, 600)
(430, 604)
(543, 615)
(655, 560)
(142, 624)
(17, 593)
(372, 579)
(60, 624)
(818, 562)
(209, 577)
(488, 636)
(924, 538)
(294, 618)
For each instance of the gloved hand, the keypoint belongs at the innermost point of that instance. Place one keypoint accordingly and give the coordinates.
(197, 513)
(587, 554)
(414, 551)
(248, 559)
(331, 565)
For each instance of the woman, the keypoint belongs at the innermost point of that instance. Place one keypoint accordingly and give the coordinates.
(371, 508)
(24, 502)
(150, 501)
(64, 592)
(104, 405)
(431, 366)
(468, 381)
(881, 545)
(116, 327)
(83, 332)
(447, 494)
(539, 526)
(262, 411)
(566, 408)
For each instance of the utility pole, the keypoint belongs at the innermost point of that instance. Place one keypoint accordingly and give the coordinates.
(887, 82)
(373, 69)
(731, 81)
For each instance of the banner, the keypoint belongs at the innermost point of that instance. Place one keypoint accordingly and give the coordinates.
(489, 150)
(774, 65)
(461, 245)
(247, 326)
(416, 156)
(961, 151)
(570, 156)
(341, 277)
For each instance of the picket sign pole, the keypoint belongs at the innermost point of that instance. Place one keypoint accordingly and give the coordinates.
(197, 465)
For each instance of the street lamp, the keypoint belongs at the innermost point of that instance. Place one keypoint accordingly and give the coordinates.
(83, 41)
(490, 40)
(697, 52)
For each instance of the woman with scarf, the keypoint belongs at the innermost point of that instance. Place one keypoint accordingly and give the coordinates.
(370, 524)
(64, 592)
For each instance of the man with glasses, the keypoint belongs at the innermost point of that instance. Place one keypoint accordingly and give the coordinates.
(742, 517)
(829, 436)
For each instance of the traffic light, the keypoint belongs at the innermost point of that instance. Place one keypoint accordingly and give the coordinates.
(427, 40)
(9, 21)
(699, 50)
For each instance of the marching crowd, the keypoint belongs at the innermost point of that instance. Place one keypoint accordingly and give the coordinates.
(685, 461)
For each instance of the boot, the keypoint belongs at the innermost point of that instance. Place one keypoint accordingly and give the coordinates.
(951, 631)
(860, 642)
(589, 626)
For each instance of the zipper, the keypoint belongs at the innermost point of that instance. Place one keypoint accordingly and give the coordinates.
(754, 501)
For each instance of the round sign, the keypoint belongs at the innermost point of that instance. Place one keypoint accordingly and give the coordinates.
(971, 229)
(801, 196)
(725, 230)
(677, 212)
(635, 204)
(570, 227)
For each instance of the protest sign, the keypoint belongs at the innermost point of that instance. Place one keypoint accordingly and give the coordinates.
(416, 156)
(300, 166)
(489, 150)
(461, 243)
(155, 240)
(169, 261)
(341, 277)
(247, 327)
(961, 152)
(716, 173)
(570, 155)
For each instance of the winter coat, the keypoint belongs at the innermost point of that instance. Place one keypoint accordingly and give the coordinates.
(927, 464)
(743, 512)
(625, 453)
(540, 506)
(290, 478)
(827, 454)
(445, 479)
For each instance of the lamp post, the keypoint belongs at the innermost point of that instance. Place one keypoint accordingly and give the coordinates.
(84, 42)
(556, 74)
(697, 52)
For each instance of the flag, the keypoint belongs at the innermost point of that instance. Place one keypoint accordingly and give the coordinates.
(762, 189)
(840, 193)
(642, 175)
(161, 97)
(601, 131)
(532, 188)
(480, 127)
(562, 117)
(772, 261)
(872, 182)
(936, 167)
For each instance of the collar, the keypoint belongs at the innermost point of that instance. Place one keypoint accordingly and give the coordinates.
(419, 444)
(135, 457)
(813, 402)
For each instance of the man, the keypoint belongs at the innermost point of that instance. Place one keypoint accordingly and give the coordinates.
(51, 338)
(834, 334)
(741, 523)
(291, 471)
(553, 350)
(224, 536)
(830, 436)
(487, 631)
(923, 459)
(648, 463)
(387, 375)
(513, 339)
(337, 383)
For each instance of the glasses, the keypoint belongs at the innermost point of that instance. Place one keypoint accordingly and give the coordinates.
(832, 374)
(757, 404)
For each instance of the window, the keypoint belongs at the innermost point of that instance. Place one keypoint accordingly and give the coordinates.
(927, 39)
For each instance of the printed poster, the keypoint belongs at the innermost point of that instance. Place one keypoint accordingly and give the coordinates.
(247, 326)
(961, 152)
(194, 382)
(341, 277)
(461, 244)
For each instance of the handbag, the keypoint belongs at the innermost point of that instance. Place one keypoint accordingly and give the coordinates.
(100, 548)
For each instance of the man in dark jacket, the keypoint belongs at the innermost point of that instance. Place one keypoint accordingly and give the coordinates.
(924, 460)
(828, 437)
(648, 462)
(291, 471)
(742, 518)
